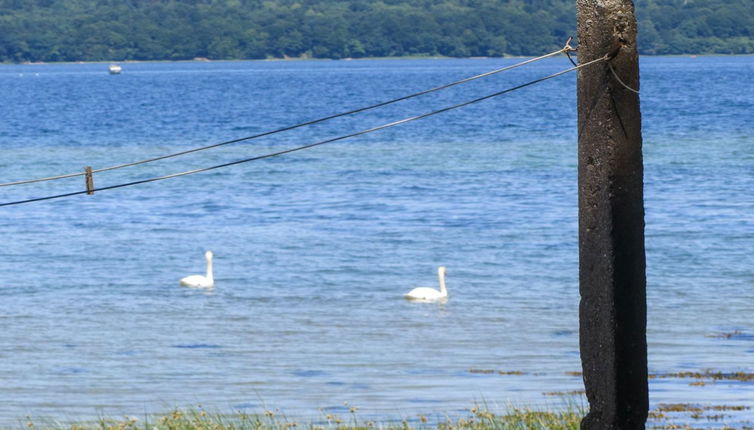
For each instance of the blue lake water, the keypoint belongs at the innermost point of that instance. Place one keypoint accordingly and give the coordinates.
(314, 250)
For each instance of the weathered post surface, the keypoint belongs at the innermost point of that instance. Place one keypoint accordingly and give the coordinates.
(611, 219)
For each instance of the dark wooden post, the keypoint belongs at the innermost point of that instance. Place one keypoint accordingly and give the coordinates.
(89, 180)
(611, 219)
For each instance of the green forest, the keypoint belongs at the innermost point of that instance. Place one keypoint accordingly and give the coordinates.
(117, 30)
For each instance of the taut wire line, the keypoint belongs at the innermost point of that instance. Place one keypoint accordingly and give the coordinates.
(312, 145)
(565, 49)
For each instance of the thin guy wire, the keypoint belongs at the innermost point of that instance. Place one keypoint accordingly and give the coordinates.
(568, 54)
(566, 48)
(610, 66)
(299, 148)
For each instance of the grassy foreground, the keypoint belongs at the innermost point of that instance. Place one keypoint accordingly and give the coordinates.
(198, 419)
(664, 416)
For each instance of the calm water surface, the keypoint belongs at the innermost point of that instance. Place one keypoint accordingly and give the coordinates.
(314, 250)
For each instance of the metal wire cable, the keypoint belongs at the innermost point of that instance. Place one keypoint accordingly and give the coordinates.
(312, 145)
(620, 81)
(565, 49)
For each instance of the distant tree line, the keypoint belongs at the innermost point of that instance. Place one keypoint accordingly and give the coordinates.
(695, 26)
(113, 30)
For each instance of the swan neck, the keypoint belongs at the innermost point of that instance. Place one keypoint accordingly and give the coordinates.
(441, 277)
(209, 270)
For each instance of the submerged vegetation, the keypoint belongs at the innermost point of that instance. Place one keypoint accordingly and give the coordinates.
(689, 416)
(116, 30)
(683, 415)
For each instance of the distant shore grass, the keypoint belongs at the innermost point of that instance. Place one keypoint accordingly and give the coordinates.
(199, 419)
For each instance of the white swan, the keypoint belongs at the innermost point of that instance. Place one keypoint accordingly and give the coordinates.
(199, 281)
(426, 294)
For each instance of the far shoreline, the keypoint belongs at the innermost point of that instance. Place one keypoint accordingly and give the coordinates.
(300, 59)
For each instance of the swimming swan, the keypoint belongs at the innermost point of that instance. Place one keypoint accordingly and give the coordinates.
(427, 294)
(199, 281)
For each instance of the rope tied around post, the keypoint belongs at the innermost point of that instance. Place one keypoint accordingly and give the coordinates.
(567, 49)
(619, 43)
